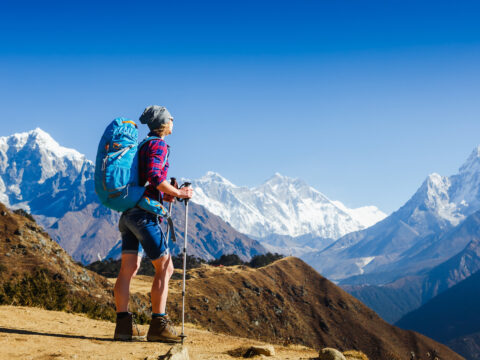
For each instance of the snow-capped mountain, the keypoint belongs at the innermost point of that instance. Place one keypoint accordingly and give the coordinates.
(56, 185)
(33, 165)
(281, 207)
(390, 246)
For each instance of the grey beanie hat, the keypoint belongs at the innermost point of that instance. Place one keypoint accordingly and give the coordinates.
(154, 116)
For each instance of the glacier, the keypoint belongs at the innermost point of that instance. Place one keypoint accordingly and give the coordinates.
(280, 206)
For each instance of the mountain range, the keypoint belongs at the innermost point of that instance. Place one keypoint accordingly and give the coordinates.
(289, 301)
(55, 184)
(286, 215)
(394, 264)
(395, 299)
(412, 239)
(451, 318)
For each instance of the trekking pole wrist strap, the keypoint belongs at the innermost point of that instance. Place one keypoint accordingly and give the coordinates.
(172, 229)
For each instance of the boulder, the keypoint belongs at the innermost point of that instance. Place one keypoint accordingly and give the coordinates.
(255, 350)
(330, 354)
(177, 352)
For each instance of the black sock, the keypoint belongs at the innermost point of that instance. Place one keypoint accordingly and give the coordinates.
(122, 315)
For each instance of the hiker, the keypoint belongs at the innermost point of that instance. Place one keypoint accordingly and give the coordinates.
(138, 226)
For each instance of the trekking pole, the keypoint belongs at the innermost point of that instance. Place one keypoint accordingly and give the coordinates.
(182, 335)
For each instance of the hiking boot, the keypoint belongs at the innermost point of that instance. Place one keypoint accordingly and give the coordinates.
(127, 330)
(162, 330)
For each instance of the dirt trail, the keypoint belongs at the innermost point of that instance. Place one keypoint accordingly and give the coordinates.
(32, 333)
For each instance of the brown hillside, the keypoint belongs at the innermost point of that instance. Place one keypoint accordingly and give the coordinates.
(285, 302)
(289, 302)
(36, 271)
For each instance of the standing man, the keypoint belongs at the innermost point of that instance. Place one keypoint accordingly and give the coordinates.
(138, 226)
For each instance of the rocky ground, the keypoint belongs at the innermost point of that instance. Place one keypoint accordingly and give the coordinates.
(33, 333)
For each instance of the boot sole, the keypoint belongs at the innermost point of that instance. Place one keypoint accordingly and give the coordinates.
(129, 338)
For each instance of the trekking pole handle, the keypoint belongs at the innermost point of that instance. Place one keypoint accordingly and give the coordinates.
(185, 184)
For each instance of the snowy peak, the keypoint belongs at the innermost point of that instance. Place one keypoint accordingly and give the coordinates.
(280, 206)
(39, 140)
(431, 208)
(438, 200)
(472, 165)
(452, 198)
(31, 159)
(212, 177)
(280, 180)
(407, 235)
(285, 187)
(436, 191)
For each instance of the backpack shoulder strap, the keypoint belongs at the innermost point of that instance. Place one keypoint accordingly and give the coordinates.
(149, 138)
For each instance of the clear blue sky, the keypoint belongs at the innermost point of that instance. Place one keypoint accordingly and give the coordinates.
(362, 99)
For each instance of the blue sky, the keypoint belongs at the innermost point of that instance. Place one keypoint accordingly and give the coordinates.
(361, 99)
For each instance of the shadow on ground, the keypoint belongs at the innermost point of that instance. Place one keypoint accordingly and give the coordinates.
(28, 332)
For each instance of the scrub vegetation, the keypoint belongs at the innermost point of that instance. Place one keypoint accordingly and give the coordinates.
(110, 268)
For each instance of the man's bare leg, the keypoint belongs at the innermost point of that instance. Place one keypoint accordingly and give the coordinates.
(121, 291)
(163, 272)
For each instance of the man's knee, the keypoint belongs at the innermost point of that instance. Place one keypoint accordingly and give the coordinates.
(163, 266)
(130, 269)
(170, 269)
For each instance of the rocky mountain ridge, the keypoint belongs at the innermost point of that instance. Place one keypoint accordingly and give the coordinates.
(458, 326)
(36, 271)
(394, 300)
(288, 301)
(391, 247)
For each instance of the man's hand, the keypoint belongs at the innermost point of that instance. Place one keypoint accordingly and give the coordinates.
(170, 191)
(185, 193)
